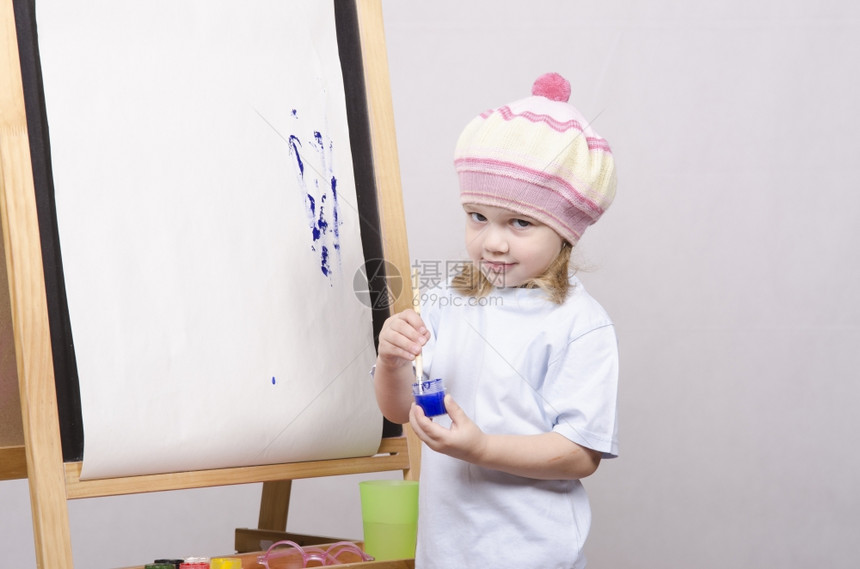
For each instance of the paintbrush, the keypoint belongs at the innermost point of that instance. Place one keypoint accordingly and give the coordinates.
(416, 306)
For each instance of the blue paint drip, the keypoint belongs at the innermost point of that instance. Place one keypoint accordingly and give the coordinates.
(322, 222)
(324, 266)
(273, 380)
(336, 212)
(295, 144)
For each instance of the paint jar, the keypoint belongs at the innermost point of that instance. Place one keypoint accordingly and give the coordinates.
(175, 563)
(160, 566)
(195, 563)
(225, 563)
(430, 396)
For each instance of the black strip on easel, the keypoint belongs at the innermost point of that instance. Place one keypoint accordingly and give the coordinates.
(349, 49)
(65, 366)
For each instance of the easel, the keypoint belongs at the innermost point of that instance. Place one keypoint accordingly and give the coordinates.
(52, 482)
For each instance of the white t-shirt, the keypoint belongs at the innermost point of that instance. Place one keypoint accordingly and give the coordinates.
(517, 364)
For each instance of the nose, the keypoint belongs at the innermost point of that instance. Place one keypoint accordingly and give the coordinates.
(495, 239)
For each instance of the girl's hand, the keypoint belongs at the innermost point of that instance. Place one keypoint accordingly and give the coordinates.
(401, 338)
(464, 440)
(545, 456)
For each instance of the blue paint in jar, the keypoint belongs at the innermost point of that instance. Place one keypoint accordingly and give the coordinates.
(430, 396)
(432, 403)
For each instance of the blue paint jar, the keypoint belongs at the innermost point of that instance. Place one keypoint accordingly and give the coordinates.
(430, 396)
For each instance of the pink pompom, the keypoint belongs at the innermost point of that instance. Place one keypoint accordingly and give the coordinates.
(552, 86)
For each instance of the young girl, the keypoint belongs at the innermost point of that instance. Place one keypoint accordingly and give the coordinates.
(529, 359)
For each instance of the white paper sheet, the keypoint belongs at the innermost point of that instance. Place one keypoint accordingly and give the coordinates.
(209, 233)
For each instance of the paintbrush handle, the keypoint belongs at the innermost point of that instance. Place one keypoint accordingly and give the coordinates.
(416, 306)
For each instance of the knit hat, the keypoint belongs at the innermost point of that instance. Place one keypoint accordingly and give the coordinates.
(538, 157)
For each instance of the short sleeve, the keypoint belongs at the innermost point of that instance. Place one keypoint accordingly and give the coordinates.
(581, 390)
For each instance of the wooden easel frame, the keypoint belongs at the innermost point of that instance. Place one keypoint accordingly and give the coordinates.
(52, 482)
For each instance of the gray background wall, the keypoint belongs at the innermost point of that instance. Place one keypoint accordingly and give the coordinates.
(729, 263)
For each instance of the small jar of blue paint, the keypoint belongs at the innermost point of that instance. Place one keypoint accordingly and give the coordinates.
(430, 396)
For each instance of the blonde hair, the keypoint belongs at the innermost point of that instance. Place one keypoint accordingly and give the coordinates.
(554, 280)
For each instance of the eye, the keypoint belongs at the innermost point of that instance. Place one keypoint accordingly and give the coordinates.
(520, 223)
(475, 216)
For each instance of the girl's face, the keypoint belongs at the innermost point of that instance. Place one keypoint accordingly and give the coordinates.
(508, 247)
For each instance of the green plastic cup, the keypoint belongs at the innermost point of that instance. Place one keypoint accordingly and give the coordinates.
(389, 512)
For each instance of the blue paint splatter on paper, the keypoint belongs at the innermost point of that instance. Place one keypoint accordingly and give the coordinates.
(320, 200)
(295, 144)
(324, 264)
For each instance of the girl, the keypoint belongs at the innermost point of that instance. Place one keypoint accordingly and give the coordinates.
(528, 357)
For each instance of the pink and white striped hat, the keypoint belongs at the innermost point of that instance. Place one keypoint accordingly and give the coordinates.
(538, 157)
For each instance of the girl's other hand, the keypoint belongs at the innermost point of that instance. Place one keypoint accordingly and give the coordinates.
(544, 456)
(464, 440)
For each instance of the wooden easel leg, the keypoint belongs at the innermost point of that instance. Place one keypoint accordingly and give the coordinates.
(36, 388)
(413, 446)
(275, 505)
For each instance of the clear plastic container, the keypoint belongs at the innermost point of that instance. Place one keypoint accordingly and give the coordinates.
(430, 396)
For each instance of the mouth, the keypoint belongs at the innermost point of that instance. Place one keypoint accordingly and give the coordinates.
(496, 266)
